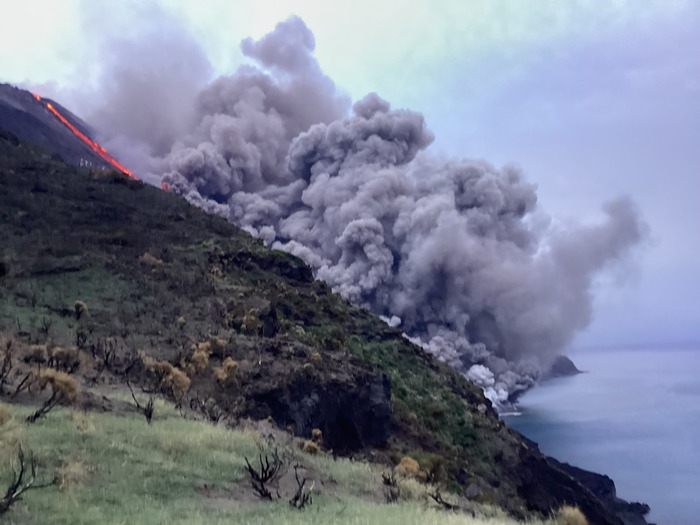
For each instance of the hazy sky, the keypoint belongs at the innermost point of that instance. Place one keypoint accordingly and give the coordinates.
(592, 99)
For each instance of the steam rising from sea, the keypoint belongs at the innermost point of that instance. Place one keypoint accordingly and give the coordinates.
(453, 251)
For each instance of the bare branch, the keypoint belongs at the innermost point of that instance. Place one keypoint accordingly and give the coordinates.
(6, 364)
(437, 497)
(25, 383)
(269, 471)
(46, 407)
(389, 479)
(147, 410)
(19, 484)
(301, 497)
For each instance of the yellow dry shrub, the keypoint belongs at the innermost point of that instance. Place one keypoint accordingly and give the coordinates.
(317, 436)
(160, 368)
(151, 260)
(70, 476)
(181, 321)
(251, 323)
(310, 447)
(36, 354)
(188, 368)
(171, 378)
(61, 383)
(200, 356)
(315, 357)
(569, 515)
(227, 372)
(81, 309)
(65, 358)
(408, 467)
(177, 382)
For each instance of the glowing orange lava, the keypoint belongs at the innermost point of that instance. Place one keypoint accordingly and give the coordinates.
(94, 146)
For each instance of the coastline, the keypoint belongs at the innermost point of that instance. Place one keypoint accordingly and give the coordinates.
(634, 416)
(600, 485)
(603, 488)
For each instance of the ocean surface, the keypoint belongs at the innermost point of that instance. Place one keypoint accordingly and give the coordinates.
(635, 416)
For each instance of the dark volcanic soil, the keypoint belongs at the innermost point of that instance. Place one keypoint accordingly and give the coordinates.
(28, 119)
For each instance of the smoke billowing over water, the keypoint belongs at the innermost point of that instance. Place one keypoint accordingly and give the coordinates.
(454, 252)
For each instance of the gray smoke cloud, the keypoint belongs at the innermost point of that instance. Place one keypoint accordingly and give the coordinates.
(141, 101)
(455, 252)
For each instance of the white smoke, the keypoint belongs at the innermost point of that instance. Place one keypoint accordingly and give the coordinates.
(453, 250)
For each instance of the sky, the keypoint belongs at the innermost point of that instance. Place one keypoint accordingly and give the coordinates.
(592, 100)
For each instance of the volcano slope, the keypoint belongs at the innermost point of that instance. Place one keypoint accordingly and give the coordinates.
(30, 119)
(139, 280)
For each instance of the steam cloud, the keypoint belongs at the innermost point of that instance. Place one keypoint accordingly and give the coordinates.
(452, 251)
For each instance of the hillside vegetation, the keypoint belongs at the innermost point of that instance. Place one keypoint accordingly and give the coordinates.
(140, 286)
(114, 469)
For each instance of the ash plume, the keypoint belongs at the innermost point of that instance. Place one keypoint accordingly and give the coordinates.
(455, 252)
(145, 90)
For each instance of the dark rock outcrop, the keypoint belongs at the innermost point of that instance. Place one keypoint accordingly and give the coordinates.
(351, 416)
(603, 488)
(547, 484)
(545, 488)
(561, 367)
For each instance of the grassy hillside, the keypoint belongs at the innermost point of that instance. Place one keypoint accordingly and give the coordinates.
(113, 469)
(144, 287)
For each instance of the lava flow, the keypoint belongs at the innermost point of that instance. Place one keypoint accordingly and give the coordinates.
(94, 146)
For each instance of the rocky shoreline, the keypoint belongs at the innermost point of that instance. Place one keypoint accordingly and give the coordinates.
(600, 485)
(603, 488)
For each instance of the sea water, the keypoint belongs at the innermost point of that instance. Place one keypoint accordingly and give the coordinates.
(635, 416)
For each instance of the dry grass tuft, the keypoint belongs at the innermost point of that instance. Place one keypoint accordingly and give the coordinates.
(61, 383)
(65, 359)
(70, 476)
(84, 422)
(170, 378)
(227, 372)
(310, 447)
(317, 436)
(150, 259)
(569, 515)
(251, 323)
(81, 309)
(177, 383)
(408, 467)
(36, 354)
(200, 356)
(411, 489)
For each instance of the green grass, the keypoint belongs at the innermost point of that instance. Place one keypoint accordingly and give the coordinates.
(137, 473)
(52, 297)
